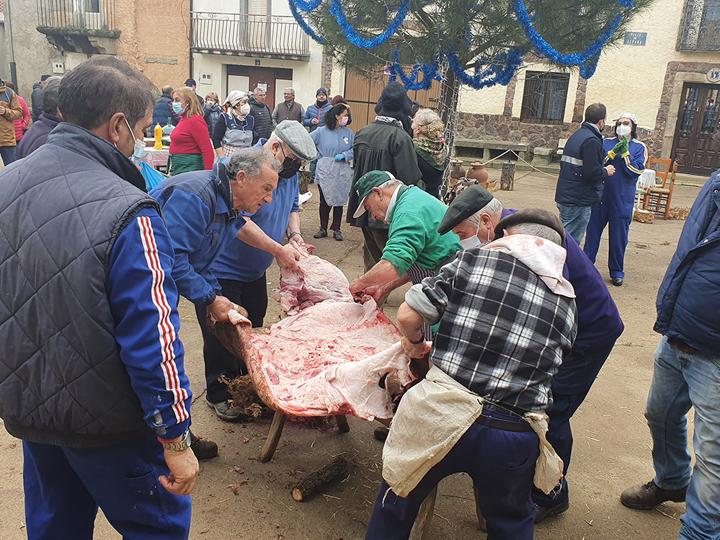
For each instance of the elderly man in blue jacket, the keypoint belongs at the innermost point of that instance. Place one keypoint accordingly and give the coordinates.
(687, 374)
(582, 174)
(473, 216)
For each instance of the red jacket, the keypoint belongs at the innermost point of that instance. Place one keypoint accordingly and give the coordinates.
(191, 136)
(22, 124)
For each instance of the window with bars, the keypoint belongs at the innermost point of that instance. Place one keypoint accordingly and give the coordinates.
(544, 97)
(700, 27)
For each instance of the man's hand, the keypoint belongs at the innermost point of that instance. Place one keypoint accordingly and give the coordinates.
(297, 240)
(288, 256)
(219, 309)
(610, 170)
(378, 292)
(315, 121)
(184, 470)
(415, 351)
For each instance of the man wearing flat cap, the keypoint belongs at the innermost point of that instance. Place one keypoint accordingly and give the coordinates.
(473, 216)
(414, 249)
(506, 318)
(273, 232)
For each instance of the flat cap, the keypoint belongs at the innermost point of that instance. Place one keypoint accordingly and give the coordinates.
(468, 201)
(531, 215)
(297, 138)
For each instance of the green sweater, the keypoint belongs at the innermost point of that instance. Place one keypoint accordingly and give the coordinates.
(413, 235)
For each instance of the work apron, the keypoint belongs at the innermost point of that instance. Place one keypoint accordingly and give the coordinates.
(335, 180)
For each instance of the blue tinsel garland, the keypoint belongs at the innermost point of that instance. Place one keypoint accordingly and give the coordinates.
(304, 25)
(302, 5)
(499, 71)
(430, 73)
(355, 38)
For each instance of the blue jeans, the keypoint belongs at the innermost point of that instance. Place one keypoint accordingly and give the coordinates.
(681, 381)
(65, 486)
(575, 220)
(501, 464)
(7, 153)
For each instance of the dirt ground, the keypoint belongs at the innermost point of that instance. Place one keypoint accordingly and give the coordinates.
(612, 441)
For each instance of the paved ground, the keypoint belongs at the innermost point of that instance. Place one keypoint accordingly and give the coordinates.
(612, 442)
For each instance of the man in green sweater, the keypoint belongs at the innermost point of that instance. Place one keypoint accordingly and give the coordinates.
(414, 249)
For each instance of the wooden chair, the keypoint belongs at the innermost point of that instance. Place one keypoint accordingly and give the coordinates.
(658, 199)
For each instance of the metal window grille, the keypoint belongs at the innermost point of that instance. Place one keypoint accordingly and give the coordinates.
(544, 97)
(700, 26)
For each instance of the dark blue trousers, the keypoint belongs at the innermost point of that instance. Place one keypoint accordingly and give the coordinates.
(570, 387)
(7, 153)
(501, 464)
(64, 488)
(617, 238)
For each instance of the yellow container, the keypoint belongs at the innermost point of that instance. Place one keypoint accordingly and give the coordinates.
(158, 137)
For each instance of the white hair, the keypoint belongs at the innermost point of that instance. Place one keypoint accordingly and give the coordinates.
(493, 208)
(536, 229)
(290, 91)
(251, 161)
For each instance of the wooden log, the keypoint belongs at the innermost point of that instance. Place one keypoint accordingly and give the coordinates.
(507, 176)
(342, 423)
(273, 438)
(424, 517)
(318, 480)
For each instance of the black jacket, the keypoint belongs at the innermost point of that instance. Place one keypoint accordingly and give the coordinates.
(36, 98)
(582, 175)
(37, 135)
(263, 120)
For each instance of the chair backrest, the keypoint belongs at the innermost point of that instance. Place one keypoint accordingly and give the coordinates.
(661, 166)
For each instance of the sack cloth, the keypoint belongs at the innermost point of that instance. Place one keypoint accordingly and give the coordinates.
(432, 417)
(335, 180)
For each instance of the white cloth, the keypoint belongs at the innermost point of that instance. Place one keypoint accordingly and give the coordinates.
(393, 201)
(432, 417)
(543, 257)
(335, 180)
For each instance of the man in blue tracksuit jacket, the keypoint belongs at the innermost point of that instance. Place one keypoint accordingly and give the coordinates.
(92, 378)
(686, 374)
(582, 174)
(628, 156)
(475, 213)
(244, 257)
(200, 209)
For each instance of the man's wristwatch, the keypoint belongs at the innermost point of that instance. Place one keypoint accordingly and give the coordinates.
(179, 445)
(420, 340)
(293, 234)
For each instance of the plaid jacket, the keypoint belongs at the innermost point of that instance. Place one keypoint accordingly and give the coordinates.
(502, 332)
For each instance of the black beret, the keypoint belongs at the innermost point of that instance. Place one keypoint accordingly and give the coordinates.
(531, 215)
(467, 202)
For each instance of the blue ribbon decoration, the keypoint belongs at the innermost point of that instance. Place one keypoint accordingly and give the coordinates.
(547, 50)
(360, 41)
(490, 76)
(302, 5)
(304, 25)
(410, 82)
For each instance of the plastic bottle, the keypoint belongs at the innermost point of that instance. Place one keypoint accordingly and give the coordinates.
(158, 136)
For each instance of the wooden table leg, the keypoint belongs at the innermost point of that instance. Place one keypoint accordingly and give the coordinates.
(424, 517)
(342, 423)
(273, 437)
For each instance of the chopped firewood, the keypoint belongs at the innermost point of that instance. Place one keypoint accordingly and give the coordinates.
(643, 216)
(679, 213)
(316, 481)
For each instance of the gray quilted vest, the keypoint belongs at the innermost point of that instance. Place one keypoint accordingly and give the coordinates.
(61, 378)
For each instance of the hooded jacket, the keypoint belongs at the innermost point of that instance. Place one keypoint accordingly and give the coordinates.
(13, 111)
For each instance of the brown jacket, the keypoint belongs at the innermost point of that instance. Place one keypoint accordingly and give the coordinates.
(12, 112)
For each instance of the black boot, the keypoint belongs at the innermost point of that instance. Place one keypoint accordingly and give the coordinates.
(322, 233)
(203, 448)
(648, 496)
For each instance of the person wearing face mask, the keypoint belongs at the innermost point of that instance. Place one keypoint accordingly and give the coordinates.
(315, 113)
(582, 172)
(261, 113)
(473, 215)
(414, 249)
(103, 406)
(272, 232)
(235, 128)
(334, 142)
(190, 146)
(212, 111)
(628, 156)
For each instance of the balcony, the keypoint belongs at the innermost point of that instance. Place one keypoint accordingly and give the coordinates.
(700, 26)
(86, 26)
(249, 35)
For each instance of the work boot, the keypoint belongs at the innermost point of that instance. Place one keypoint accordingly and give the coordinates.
(543, 512)
(648, 496)
(617, 281)
(337, 235)
(381, 433)
(228, 412)
(203, 448)
(322, 233)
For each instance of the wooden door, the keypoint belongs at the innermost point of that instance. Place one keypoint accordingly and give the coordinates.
(264, 78)
(696, 144)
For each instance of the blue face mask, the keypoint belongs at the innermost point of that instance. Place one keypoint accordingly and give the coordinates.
(178, 107)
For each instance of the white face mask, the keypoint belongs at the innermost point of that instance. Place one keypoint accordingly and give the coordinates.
(245, 109)
(623, 130)
(471, 242)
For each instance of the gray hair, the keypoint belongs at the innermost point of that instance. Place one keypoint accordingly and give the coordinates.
(290, 91)
(494, 207)
(535, 229)
(259, 90)
(51, 95)
(250, 161)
